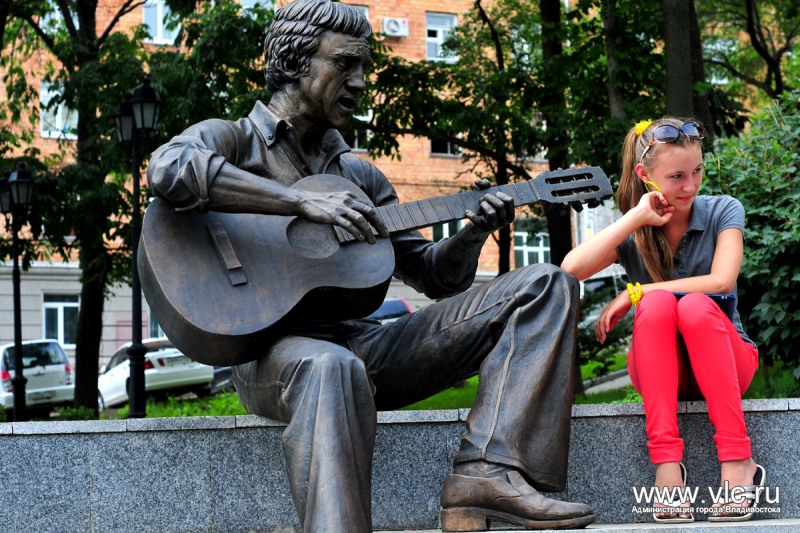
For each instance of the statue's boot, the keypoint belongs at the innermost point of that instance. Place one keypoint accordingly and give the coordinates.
(469, 502)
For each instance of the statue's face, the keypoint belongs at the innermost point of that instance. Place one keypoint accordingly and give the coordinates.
(335, 80)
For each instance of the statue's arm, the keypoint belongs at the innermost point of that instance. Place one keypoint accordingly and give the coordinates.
(199, 170)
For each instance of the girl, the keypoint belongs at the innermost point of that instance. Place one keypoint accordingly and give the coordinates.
(670, 240)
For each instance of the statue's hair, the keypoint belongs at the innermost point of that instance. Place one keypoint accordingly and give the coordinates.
(651, 241)
(295, 34)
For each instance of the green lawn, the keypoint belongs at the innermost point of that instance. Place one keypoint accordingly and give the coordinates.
(784, 385)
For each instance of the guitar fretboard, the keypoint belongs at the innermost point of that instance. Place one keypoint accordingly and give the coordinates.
(563, 185)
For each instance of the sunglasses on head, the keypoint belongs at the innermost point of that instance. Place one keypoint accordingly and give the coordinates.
(667, 133)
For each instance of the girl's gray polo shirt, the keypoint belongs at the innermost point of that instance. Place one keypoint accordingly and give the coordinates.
(710, 216)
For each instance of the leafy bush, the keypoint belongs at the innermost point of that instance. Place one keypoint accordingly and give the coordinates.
(226, 404)
(600, 359)
(760, 168)
(75, 413)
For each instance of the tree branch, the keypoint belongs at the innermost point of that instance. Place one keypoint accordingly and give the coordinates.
(63, 6)
(125, 8)
(498, 48)
(755, 32)
(740, 75)
(48, 41)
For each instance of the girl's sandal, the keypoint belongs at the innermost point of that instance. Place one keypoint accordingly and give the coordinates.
(672, 513)
(729, 513)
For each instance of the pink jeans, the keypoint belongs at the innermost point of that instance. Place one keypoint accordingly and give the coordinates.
(688, 349)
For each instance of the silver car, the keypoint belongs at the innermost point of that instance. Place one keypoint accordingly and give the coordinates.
(165, 370)
(50, 380)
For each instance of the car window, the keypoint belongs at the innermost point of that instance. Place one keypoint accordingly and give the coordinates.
(39, 354)
(118, 358)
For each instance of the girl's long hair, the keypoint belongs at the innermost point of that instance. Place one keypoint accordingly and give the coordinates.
(651, 241)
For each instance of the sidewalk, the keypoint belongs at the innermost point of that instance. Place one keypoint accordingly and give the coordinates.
(787, 525)
(611, 381)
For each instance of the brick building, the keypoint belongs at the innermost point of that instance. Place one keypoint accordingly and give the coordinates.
(413, 29)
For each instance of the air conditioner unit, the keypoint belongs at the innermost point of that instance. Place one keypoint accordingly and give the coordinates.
(395, 27)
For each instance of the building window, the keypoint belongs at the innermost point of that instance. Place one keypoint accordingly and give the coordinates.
(445, 146)
(61, 318)
(448, 229)
(156, 15)
(154, 329)
(531, 244)
(437, 26)
(56, 120)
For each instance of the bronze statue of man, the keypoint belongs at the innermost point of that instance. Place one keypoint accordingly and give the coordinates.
(327, 379)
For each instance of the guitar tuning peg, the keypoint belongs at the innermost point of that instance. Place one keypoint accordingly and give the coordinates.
(593, 203)
(577, 206)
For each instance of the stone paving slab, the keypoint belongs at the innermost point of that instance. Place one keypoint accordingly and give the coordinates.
(788, 525)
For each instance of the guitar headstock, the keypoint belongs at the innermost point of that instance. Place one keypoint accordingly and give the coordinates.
(573, 186)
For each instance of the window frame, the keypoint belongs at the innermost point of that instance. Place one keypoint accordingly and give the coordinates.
(453, 149)
(59, 306)
(65, 120)
(533, 243)
(442, 32)
(158, 34)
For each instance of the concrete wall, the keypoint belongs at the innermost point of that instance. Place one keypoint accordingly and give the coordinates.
(225, 474)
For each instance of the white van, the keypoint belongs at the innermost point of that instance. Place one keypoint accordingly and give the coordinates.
(50, 380)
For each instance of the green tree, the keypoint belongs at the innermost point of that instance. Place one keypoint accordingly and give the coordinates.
(771, 29)
(760, 169)
(85, 193)
(488, 102)
(617, 75)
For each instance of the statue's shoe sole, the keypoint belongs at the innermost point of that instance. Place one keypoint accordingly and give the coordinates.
(477, 519)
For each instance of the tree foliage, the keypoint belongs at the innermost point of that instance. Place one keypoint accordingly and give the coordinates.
(761, 60)
(83, 191)
(760, 169)
(485, 102)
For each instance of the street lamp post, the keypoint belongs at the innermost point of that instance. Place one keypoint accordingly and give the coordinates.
(136, 116)
(16, 190)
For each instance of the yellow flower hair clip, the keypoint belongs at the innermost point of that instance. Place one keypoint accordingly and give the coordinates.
(641, 126)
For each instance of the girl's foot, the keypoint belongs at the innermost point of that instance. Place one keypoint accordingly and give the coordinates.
(669, 476)
(745, 473)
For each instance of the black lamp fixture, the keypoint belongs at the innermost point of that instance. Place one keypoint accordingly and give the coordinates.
(136, 116)
(124, 120)
(145, 105)
(5, 194)
(16, 191)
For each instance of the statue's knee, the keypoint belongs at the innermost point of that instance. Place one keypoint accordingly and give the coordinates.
(555, 279)
(332, 363)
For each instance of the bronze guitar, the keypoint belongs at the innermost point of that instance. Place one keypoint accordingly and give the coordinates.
(222, 285)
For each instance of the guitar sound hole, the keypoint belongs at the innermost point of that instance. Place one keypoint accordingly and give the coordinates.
(312, 240)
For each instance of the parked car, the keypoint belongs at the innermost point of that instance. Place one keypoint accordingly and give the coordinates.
(166, 369)
(50, 380)
(391, 309)
(602, 290)
(222, 381)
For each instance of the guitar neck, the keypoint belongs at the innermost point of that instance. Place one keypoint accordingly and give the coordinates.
(441, 209)
(563, 186)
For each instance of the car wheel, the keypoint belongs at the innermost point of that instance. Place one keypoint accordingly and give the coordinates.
(101, 405)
